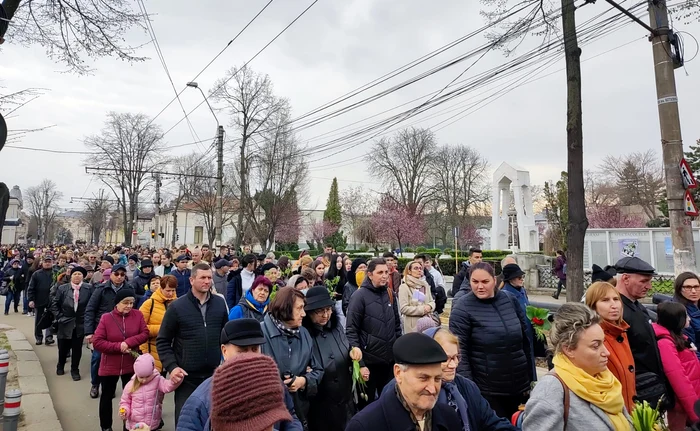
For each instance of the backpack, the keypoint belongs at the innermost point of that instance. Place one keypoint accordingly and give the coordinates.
(563, 269)
(517, 418)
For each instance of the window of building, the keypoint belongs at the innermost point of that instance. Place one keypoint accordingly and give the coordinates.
(198, 234)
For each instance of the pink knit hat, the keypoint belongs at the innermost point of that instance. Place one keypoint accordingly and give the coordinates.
(425, 322)
(144, 365)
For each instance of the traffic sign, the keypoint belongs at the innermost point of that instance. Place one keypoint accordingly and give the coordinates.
(687, 175)
(689, 205)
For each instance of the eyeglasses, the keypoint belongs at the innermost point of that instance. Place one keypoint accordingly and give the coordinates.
(323, 311)
(456, 358)
(693, 287)
(119, 274)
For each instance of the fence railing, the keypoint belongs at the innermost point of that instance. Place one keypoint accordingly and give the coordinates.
(661, 283)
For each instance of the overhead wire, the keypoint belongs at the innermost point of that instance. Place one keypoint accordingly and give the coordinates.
(230, 42)
(224, 82)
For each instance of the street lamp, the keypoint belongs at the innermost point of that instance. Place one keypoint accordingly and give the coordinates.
(220, 167)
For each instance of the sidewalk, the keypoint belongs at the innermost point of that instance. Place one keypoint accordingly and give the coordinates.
(68, 400)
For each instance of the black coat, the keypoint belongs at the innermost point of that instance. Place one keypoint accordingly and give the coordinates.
(493, 343)
(333, 405)
(101, 302)
(373, 323)
(186, 341)
(140, 282)
(65, 314)
(40, 287)
(348, 290)
(234, 288)
(459, 278)
(388, 414)
(438, 292)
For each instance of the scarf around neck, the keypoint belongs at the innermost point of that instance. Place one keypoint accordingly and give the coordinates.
(416, 283)
(427, 418)
(602, 390)
(76, 295)
(450, 395)
(290, 332)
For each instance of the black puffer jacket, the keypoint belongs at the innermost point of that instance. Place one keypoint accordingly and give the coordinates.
(493, 343)
(101, 302)
(373, 323)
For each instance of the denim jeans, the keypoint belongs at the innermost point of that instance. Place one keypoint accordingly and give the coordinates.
(25, 302)
(8, 300)
(94, 368)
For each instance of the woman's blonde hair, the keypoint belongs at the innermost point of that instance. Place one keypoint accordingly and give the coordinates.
(600, 290)
(305, 260)
(407, 268)
(570, 321)
(445, 336)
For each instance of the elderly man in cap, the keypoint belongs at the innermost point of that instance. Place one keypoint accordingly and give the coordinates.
(39, 294)
(101, 302)
(412, 403)
(220, 276)
(238, 336)
(633, 282)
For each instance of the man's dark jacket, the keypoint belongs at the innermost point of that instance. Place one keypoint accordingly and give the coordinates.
(373, 323)
(185, 341)
(459, 278)
(234, 288)
(101, 302)
(480, 414)
(438, 292)
(388, 414)
(643, 344)
(40, 287)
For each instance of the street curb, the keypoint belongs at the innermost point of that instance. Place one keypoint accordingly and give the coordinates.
(37, 405)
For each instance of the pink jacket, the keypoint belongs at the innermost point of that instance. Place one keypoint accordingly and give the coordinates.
(682, 370)
(146, 404)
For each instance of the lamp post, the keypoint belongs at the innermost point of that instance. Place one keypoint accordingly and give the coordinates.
(220, 168)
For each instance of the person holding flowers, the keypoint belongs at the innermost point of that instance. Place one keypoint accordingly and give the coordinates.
(581, 393)
(333, 405)
(118, 337)
(415, 299)
(605, 300)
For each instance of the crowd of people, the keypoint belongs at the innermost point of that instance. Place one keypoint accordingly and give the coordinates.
(333, 343)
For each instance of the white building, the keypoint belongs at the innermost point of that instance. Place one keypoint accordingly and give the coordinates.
(14, 230)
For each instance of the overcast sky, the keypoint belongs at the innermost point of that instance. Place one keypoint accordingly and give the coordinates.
(336, 47)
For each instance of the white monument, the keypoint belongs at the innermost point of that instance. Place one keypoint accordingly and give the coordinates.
(505, 177)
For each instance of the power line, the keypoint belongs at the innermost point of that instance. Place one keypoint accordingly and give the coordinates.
(213, 59)
(88, 153)
(246, 63)
(138, 171)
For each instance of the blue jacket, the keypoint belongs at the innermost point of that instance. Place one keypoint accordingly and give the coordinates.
(387, 414)
(183, 281)
(238, 312)
(521, 296)
(196, 411)
(693, 331)
(481, 415)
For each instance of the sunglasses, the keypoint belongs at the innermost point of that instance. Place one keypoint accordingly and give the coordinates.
(119, 274)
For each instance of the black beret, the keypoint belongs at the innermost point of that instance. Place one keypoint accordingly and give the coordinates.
(418, 349)
(634, 265)
(599, 274)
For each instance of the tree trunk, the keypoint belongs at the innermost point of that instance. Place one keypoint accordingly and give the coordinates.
(10, 7)
(574, 141)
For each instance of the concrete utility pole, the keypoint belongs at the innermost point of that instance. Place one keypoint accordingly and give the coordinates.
(671, 141)
(157, 238)
(219, 184)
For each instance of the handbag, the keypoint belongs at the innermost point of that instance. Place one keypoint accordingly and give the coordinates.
(651, 387)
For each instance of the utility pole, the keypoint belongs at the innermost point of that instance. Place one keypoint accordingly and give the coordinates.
(158, 184)
(219, 185)
(671, 141)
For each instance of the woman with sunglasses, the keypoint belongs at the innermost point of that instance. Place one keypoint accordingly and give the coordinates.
(333, 405)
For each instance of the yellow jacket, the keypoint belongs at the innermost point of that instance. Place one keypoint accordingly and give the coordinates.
(153, 310)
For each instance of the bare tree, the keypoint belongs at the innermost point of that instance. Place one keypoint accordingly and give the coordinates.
(95, 215)
(600, 190)
(42, 203)
(278, 174)
(357, 204)
(10, 103)
(249, 100)
(124, 155)
(403, 162)
(70, 30)
(460, 180)
(638, 179)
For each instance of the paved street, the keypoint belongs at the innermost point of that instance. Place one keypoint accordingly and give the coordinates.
(76, 410)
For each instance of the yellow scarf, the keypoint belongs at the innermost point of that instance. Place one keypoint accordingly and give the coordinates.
(603, 390)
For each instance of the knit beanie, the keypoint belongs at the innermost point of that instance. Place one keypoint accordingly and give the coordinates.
(122, 294)
(144, 365)
(425, 322)
(247, 394)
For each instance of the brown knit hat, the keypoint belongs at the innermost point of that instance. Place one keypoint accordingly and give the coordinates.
(247, 394)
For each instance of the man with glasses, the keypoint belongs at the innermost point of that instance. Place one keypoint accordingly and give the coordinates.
(101, 302)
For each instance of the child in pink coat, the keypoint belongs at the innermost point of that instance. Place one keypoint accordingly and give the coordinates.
(679, 361)
(142, 398)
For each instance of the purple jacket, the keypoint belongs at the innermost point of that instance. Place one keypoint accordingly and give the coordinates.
(559, 268)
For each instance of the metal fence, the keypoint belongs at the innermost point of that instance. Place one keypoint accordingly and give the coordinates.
(661, 283)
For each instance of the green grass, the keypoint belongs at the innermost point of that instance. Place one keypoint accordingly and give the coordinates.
(4, 343)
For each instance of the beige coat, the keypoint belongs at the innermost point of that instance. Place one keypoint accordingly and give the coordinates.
(410, 309)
